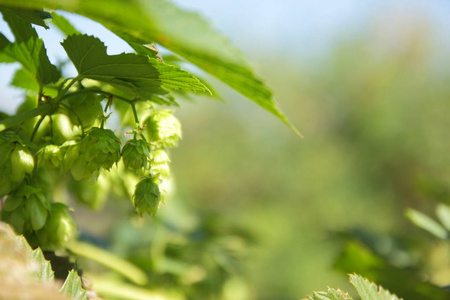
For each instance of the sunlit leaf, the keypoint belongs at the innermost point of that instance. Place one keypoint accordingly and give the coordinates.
(331, 294)
(369, 290)
(426, 223)
(28, 50)
(443, 213)
(139, 75)
(63, 24)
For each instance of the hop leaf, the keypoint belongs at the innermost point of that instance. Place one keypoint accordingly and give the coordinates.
(163, 128)
(136, 155)
(58, 230)
(147, 196)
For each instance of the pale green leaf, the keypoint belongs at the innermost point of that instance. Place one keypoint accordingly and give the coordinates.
(72, 287)
(23, 79)
(370, 291)
(45, 272)
(63, 24)
(443, 213)
(332, 294)
(426, 223)
(108, 259)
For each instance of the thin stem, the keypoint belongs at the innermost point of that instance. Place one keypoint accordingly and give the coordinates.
(36, 127)
(136, 118)
(51, 127)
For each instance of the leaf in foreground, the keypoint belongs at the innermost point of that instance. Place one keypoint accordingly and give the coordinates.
(72, 287)
(369, 290)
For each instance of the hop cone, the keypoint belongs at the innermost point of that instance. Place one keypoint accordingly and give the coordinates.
(136, 155)
(100, 148)
(29, 206)
(15, 162)
(147, 196)
(58, 230)
(163, 128)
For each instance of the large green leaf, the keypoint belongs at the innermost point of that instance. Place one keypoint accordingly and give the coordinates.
(139, 75)
(183, 32)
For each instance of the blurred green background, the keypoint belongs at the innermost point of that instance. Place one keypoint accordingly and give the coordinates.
(367, 84)
(372, 101)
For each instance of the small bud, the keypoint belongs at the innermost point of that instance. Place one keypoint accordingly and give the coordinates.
(147, 197)
(136, 155)
(163, 128)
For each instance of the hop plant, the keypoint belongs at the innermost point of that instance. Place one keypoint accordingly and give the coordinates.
(136, 155)
(100, 148)
(15, 162)
(163, 129)
(147, 196)
(59, 228)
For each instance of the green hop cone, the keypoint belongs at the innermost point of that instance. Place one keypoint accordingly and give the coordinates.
(50, 156)
(160, 164)
(31, 203)
(100, 148)
(136, 155)
(147, 196)
(22, 162)
(15, 161)
(163, 129)
(58, 230)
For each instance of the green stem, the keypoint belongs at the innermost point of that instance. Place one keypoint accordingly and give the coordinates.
(36, 127)
(19, 119)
